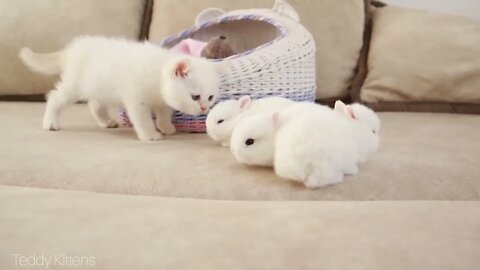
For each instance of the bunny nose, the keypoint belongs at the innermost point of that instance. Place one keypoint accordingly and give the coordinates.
(203, 108)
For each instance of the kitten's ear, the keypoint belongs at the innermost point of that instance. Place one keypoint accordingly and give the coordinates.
(276, 119)
(181, 68)
(245, 102)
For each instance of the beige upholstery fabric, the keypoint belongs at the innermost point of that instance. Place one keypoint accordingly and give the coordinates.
(137, 232)
(336, 25)
(47, 25)
(422, 156)
(419, 56)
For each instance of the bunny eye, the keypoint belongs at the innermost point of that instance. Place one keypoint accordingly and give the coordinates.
(374, 132)
(195, 97)
(249, 141)
(220, 121)
(210, 98)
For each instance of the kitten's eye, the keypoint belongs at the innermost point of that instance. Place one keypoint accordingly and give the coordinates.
(210, 98)
(196, 97)
(249, 142)
(374, 132)
(220, 121)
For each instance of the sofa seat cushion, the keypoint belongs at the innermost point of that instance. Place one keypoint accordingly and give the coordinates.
(422, 156)
(138, 232)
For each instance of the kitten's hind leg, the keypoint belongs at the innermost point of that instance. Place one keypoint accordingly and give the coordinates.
(100, 113)
(141, 117)
(351, 170)
(57, 99)
(164, 120)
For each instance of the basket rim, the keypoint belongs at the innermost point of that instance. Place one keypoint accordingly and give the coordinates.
(190, 31)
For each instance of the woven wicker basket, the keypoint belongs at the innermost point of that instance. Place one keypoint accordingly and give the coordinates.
(277, 56)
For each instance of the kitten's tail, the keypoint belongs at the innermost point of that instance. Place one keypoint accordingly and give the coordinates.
(45, 63)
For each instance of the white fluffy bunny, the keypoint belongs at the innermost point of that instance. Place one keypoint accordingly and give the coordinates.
(366, 122)
(315, 148)
(259, 129)
(225, 115)
(253, 140)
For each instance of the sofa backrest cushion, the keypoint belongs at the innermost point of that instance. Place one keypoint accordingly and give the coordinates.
(48, 25)
(420, 60)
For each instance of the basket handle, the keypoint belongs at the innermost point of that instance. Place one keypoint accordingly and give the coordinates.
(285, 9)
(208, 14)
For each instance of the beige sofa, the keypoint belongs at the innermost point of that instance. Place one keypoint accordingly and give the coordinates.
(184, 203)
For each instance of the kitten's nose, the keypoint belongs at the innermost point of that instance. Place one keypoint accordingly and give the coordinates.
(203, 108)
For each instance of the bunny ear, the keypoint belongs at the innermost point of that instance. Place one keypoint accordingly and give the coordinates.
(340, 106)
(276, 119)
(285, 9)
(208, 14)
(343, 109)
(245, 102)
(350, 112)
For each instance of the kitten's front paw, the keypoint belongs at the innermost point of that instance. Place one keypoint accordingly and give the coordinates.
(109, 124)
(49, 126)
(225, 144)
(150, 137)
(312, 184)
(351, 170)
(167, 129)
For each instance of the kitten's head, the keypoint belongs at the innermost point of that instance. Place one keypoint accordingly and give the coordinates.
(253, 139)
(190, 84)
(224, 116)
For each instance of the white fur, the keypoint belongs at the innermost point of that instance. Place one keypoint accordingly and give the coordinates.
(230, 112)
(139, 76)
(316, 147)
(259, 128)
(366, 122)
(262, 129)
(45, 63)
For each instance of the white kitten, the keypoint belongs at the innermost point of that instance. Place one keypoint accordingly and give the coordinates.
(315, 148)
(139, 76)
(225, 115)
